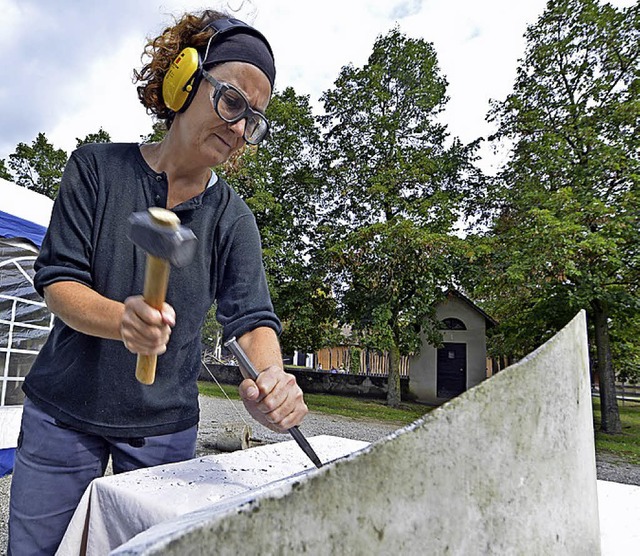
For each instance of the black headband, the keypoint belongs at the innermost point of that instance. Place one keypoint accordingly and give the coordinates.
(242, 47)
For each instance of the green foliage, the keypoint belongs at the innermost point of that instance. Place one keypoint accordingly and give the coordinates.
(626, 445)
(4, 171)
(101, 137)
(384, 142)
(39, 166)
(159, 130)
(211, 332)
(393, 186)
(566, 231)
(566, 227)
(392, 196)
(391, 274)
(354, 360)
(308, 311)
(624, 331)
(280, 182)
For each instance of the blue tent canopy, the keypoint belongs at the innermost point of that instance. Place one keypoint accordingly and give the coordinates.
(15, 227)
(24, 213)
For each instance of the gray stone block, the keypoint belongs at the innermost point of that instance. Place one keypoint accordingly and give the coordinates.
(508, 467)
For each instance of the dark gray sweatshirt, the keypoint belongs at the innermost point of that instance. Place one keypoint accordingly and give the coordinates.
(89, 383)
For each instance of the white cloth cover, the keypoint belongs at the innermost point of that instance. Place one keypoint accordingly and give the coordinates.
(116, 508)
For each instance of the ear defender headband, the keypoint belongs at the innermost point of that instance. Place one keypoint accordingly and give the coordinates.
(181, 81)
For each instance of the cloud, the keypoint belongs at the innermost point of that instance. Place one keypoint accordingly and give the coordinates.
(47, 49)
(406, 9)
(71, 62)
(68, 63)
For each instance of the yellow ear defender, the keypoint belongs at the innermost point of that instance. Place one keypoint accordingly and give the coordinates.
(181, 80)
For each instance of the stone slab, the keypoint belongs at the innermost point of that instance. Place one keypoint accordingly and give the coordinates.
(508, 467)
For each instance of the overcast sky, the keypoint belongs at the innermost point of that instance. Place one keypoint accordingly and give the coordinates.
(68, 63)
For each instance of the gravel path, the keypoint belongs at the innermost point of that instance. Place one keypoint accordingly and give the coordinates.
(216, 412)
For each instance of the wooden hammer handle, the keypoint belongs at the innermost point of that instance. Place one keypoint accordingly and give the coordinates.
(156, 280)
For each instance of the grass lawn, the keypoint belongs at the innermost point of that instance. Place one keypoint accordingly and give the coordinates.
(627, 444)
(355, 408)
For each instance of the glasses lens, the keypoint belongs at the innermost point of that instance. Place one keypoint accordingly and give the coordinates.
(255, 129)
(231, 105)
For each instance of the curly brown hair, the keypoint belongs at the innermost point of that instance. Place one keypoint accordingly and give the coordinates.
(190, 30)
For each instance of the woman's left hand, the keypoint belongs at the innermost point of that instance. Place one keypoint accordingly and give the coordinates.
(274, 399)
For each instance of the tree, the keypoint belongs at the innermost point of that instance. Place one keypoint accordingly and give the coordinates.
(392, 195)
(159, 130)
(391, 274)
(211, 332)
(566, 233)
(4, 171)
(279, 180)
(39, 166)
(101, 137)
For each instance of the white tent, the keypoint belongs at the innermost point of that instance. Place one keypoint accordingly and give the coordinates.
(25, 321)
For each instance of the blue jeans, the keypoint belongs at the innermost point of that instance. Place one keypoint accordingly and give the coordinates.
(55, 464)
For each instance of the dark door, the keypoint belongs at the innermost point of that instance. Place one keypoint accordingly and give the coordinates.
(452, 370)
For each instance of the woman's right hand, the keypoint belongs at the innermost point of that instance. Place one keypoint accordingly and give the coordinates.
(145, 330)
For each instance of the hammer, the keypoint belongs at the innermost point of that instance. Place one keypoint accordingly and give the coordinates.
(158, 232)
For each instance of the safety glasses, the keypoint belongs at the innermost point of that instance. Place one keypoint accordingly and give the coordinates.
(232, 106)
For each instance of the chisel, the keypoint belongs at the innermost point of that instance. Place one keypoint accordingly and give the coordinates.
(250, 372)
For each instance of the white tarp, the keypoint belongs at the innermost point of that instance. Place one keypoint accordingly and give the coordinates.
(25, 204)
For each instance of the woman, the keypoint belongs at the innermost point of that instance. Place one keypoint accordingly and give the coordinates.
(83, 403)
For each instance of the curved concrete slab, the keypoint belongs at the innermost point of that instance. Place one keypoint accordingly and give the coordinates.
(506, 468)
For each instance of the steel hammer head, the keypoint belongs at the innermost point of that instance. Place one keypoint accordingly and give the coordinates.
(158, 232)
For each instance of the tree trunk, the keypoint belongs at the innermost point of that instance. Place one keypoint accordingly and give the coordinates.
(393, 391)
(610, 416)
